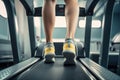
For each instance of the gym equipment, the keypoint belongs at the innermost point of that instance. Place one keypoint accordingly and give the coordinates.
(36, 69)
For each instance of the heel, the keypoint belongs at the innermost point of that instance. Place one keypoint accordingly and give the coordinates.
(49, 58)
(69, 58)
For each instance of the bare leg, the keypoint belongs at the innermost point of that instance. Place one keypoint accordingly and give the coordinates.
(48, 13)
(71, 14)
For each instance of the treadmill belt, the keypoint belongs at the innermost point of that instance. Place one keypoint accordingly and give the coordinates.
(55, 71)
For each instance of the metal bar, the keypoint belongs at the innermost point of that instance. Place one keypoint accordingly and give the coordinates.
(29, 6)
(13, 30)
(103, 60)
(32, 34)
(59, 11)
(87, 35)
(99, 5)
(90, 6)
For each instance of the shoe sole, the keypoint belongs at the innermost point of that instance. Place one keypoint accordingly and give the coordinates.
(49, 58)
(69, 58)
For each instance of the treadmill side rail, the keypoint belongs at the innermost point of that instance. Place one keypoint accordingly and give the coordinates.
(99, 71)
(15, 69)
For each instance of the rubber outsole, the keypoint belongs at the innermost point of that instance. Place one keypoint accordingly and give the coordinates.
(69, 58)
(49, 58)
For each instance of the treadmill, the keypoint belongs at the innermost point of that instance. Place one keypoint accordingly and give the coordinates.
(35, 69)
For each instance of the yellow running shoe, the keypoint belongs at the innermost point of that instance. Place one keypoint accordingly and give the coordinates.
(69, 52)
(49, 53)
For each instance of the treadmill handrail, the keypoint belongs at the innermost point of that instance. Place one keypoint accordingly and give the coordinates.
(99, 71)
(17, 68)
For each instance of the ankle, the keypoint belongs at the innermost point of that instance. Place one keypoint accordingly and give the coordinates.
(49, 44)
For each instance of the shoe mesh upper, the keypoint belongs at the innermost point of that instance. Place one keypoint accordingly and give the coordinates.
(69, 45)
(49, 49)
